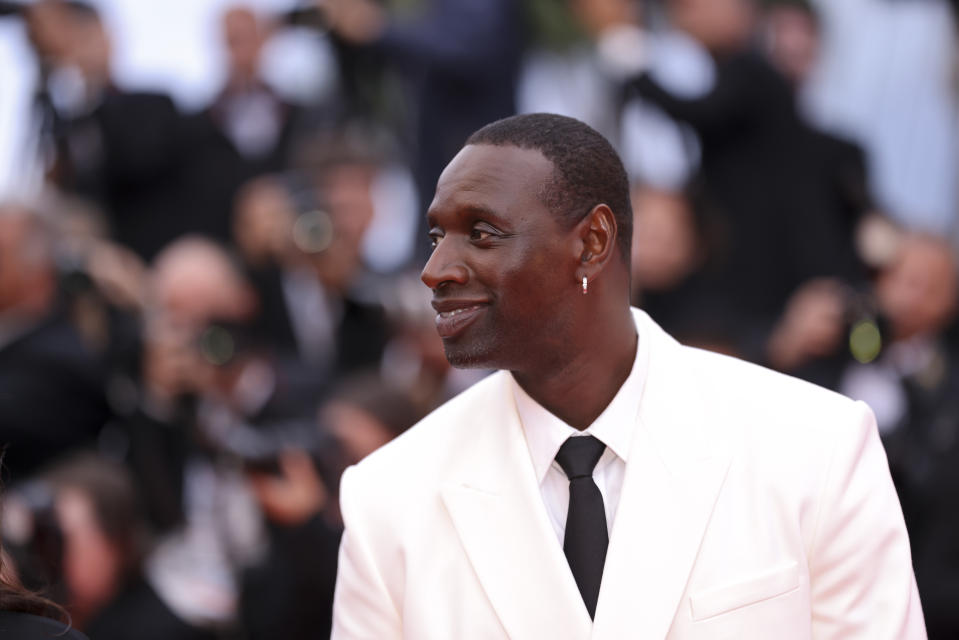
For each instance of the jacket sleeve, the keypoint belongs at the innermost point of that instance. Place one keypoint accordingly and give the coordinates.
(732, 102)
(363, 608)
(860, 566)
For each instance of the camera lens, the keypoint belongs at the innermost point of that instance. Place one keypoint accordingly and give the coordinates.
(313, 231)
(217, 345)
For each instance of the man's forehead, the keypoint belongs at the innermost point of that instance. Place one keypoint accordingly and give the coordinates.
(481, 157)
(485, 170)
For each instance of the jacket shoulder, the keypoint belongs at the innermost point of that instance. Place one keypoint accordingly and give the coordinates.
(758, 403)
(739, 377)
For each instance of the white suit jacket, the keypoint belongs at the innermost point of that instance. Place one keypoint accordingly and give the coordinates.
(754, 505)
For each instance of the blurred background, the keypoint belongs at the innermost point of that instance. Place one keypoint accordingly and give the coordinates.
(211, 231)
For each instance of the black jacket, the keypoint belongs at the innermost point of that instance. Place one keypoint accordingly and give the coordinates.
(24, 626)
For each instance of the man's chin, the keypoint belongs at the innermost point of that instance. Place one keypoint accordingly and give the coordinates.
(465, 358)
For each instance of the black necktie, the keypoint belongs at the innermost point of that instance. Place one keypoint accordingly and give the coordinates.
(586, 536)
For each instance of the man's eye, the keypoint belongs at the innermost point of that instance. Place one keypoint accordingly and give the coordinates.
(479, 234)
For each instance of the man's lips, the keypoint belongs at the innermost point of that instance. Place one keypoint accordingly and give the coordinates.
(453, 316)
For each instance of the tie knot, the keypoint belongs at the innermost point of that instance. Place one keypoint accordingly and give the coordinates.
(579, 455)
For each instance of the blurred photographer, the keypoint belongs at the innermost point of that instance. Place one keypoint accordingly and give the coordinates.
(211, 386)
(782, 222)
(204, 367)
(26, 614)
(52, 378)
(250, 128)
(92, 135)
(289, 593)
(79, 529)
(302, 238)
(912, 385)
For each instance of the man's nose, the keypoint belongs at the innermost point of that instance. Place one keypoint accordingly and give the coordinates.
(445, 265)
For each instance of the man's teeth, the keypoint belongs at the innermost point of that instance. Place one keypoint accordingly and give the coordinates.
(456, 312)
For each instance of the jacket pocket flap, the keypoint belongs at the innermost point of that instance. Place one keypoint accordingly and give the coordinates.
(769, 584)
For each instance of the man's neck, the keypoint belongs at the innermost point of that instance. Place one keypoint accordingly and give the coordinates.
(580, 391)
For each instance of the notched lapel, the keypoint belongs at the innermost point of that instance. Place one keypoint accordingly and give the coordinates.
(499, 517)
(654, 543)
(673, 479)
(522, 578)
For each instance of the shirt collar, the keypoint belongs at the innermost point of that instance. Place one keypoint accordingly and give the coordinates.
(545, 433)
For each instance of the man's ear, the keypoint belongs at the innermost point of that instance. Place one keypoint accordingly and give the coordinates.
(597, 233)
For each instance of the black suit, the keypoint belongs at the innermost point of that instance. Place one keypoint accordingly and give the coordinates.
(923, 452)
(137, 612)
(214, 169)
(361, 329)
(24, 626)
(51, 395)
(290, 594)
(127, 155)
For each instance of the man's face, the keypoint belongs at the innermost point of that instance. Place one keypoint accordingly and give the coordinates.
(918, 293)
(503, 267)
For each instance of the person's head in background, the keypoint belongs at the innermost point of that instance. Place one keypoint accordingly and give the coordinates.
(918, 291)
(103, 535)
(244, 34)
(48, 30)
(264, 215)
(365, 413)
(71, 34)
(194, 286)
(342, 168)
(666, 241)
(90, 48)
(99, 531)
(791, 38)
(286, 222)
(721, 26)
(28, 280)
(195, 280)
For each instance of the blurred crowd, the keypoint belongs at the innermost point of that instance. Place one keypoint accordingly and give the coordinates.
(205, 316)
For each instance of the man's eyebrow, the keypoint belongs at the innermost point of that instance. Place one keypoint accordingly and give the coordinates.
(468, 210)
(478, 210)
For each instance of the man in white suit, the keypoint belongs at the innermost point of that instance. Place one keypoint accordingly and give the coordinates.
(608, 483)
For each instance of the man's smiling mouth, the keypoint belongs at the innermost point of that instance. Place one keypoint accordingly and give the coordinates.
(453, 316)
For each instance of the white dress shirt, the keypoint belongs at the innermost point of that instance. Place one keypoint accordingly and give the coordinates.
(545, 434)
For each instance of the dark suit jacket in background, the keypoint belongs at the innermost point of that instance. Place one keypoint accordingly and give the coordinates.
(52, 396)
(24, 626)
(779, 218)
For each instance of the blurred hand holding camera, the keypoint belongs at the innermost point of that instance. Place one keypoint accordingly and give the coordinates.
(295, 495)
(812, 326)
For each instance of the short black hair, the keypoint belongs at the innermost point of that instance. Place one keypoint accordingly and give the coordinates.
(587, 170)
(81, 9)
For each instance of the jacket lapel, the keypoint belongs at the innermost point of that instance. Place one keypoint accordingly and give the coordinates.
(498, 513)
(672, 482)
